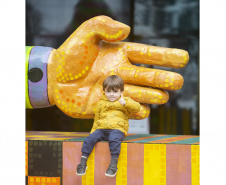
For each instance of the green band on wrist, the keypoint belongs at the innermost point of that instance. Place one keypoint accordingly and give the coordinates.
(28, 103)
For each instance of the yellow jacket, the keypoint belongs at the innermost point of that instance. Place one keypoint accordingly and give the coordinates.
(113, 115)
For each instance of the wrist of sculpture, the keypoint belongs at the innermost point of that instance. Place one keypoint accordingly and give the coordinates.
(36, 76)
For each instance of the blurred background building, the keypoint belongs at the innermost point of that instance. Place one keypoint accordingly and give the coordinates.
(171, 23)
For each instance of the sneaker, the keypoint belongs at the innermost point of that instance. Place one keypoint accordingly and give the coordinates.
(111, 171)
(81, 169)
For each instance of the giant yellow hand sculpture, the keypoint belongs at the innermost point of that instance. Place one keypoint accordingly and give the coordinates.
(78, 68)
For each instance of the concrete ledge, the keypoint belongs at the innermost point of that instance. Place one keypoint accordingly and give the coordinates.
(52, 157)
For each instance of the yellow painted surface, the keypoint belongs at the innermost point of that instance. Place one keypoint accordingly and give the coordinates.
(34, 180)
(50, 138)
(121, 176)
(154, 164)
(88, 178)
(195, 164)
(40, 136)
(28, 103)
(26, 158)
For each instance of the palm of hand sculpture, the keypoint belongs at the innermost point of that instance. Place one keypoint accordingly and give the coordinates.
(77, 69)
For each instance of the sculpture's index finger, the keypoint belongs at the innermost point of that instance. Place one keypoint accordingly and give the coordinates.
(160, 56)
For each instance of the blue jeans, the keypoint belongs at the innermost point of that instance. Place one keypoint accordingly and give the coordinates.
(114, 137)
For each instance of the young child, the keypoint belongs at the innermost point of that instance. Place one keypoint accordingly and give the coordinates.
(110, 123)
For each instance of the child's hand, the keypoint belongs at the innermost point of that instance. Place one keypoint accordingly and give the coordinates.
(122, 101)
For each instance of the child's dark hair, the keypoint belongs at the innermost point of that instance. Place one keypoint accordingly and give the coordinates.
(113, 82)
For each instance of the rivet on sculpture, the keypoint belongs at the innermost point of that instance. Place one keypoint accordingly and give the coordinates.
(71, 76)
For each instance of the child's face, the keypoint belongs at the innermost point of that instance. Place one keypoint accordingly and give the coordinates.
(113, 95)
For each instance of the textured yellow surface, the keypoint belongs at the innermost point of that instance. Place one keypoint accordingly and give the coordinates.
(88, 178)
(33, 180)
(155, 164)
(26, 158)
(195, 165)
(121, 177)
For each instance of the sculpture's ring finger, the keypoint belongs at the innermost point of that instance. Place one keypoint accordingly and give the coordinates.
(146, 95)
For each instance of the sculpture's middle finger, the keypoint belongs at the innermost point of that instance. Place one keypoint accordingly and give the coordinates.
(151, 77)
